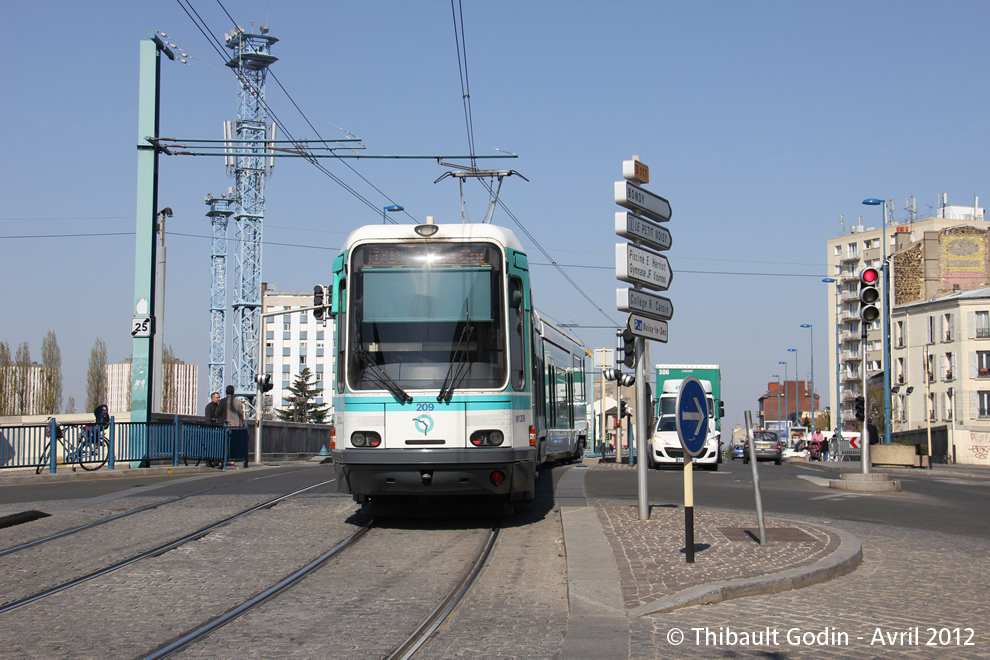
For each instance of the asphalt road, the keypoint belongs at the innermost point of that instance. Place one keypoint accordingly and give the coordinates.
(937, 500)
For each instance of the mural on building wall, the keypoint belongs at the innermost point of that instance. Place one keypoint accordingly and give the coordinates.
(964, 262)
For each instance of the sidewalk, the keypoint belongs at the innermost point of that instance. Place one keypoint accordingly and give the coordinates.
(619, 567)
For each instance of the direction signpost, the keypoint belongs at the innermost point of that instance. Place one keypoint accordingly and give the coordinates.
(639, 264)
(692, 429)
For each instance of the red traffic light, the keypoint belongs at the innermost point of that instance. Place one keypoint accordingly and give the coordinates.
(869, 276)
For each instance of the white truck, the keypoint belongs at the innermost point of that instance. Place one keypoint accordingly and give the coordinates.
(665, 446)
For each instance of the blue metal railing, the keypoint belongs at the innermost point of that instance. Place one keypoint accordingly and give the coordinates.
(132, 442)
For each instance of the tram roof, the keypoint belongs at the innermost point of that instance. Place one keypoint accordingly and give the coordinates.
(459, 231)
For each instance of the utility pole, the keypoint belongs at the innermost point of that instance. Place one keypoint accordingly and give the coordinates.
(219, 213)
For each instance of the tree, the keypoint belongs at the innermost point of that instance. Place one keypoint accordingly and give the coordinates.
(300, 404)
(875, 411)
(22, 382)
(6, 380)
(170, 397)
(70, 406)
(96, 377)
(50, 401)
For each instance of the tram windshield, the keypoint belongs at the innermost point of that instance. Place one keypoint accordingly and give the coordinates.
(427, 316)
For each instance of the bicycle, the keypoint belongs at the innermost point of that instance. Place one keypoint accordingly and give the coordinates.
(90, 451)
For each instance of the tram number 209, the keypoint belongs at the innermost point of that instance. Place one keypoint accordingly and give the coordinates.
(424, 407)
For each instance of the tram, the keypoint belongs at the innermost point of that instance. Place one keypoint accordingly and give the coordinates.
(448, 382)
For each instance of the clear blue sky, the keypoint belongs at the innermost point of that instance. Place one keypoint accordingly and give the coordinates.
(762, 122)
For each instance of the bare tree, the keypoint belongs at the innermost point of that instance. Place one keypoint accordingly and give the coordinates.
(170, 397)
(6, 380)
(50, 401)
(96, 377)
(70, 406)
(22, 385)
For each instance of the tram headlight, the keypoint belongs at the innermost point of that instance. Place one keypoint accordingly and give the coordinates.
(487, 438)
(365, 439)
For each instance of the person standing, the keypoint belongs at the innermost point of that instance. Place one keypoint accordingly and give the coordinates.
(211, 407)
(230, 410)
(817, 441)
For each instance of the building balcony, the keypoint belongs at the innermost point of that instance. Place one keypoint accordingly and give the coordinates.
(983, 373)
(983, 333)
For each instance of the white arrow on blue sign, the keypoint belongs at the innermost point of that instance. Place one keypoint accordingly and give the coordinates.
(692, 416)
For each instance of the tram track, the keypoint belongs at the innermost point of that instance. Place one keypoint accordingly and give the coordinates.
(412, 617)
(148, 507)
(154, 552)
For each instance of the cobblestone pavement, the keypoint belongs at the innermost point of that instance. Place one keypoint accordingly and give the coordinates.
(652, 563)
(912, 585)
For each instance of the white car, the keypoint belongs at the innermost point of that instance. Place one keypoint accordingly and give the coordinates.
(666, 448)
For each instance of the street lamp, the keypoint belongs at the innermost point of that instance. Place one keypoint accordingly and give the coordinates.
(391, 209)
(797, 389)
(808, 325)
(777, 376)
(837, 406)
(886, 319)
(787, 405)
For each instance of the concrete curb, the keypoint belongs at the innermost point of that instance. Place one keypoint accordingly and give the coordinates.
(844, 560)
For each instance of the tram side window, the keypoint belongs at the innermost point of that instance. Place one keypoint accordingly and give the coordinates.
(341, 332)
(517, 356)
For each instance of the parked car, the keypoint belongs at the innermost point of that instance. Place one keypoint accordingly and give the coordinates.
(768, 447)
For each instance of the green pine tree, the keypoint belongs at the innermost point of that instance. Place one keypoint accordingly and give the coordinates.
(300, 404)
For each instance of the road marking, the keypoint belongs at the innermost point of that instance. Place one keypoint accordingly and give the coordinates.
(818, 481)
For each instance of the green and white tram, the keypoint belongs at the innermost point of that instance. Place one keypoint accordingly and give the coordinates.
(448, 382)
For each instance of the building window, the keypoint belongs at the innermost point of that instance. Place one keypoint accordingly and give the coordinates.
(947, 326)
(983, 364)
(852, 250)
(983, 325)
(303, 335)
(948, 366)
(285, 368)
(931, 329)
(838, 250)
(319, 334)
(286, 352)
(984, 400)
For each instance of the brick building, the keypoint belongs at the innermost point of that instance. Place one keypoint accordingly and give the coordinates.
(788, 400)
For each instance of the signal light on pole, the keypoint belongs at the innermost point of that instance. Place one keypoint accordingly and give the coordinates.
(626, 347)
(319, 301)
(860, 408)
(869, 294)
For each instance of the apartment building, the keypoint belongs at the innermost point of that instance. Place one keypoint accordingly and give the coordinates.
(293, 341)
(912, 277)
(940, 354)
(180, 394)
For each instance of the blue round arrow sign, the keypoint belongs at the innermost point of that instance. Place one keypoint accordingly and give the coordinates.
(692, 416)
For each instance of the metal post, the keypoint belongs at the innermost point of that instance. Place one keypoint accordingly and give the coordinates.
(689, 508)
(751, 445)
(865, 433)
(886, 333)
(928, 405)
(149, 93)
(642, 432)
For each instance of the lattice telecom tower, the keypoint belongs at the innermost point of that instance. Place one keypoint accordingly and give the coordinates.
(249, 164)
(220, 210)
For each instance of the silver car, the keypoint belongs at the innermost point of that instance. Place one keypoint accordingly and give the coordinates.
(768, 447)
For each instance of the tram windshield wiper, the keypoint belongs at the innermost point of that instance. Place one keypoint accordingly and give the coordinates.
(382, 378)
(460, 360)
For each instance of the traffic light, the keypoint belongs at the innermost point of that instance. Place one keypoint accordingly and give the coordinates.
(860, 408)
(626, 347)
(264, 382)
(319, 301)
(869, 294)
